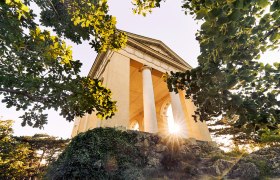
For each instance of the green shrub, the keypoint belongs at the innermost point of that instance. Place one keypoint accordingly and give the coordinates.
(236, 151)
(263, 167)
(101, 153)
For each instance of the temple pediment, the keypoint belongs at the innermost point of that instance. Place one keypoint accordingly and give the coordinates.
(146, 50)
(156, 45)
(147, 44)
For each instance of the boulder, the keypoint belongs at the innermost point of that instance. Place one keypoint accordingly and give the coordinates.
(246, 171)
(275, 166)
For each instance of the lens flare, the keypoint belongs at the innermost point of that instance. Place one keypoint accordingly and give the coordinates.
(174, 129)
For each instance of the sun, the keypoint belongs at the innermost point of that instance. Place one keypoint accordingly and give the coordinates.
(174, 129)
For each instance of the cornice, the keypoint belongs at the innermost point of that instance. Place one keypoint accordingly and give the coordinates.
(97, 63)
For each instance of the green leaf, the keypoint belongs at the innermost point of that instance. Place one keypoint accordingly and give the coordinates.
(201, 14)
(239, 4)
(235, 15)
(275, 36)
(275, 6)
(263, 3)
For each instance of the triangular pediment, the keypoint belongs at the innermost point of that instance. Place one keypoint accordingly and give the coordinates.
(144, 45)
(159, 49)
(157, 46)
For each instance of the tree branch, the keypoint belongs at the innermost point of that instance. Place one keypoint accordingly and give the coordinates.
(26, 94)
(269, 33)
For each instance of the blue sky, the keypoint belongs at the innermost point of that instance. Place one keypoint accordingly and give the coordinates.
(168, 24)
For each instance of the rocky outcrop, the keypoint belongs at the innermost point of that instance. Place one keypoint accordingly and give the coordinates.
(113, 154)
(259, 164)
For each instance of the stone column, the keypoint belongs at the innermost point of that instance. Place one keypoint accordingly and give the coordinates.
(150, 118)
(178, 114)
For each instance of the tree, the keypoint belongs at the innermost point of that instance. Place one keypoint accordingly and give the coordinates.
(230, 82)
(13, 155)
(37, 71)
(22, 157)
(46, 150)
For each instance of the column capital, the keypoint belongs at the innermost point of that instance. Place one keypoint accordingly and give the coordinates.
(146, 67)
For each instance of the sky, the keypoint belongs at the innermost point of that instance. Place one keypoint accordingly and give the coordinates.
(167, 23)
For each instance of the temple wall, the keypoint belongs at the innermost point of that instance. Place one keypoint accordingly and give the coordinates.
(197, 130)
(116, 78)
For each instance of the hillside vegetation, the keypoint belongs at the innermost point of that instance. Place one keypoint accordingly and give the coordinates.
(113, 154)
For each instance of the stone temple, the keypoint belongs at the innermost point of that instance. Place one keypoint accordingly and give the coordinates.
(135, 76)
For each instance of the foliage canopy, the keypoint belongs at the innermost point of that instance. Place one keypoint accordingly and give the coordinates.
(37, 69)
(13, 155)
(22, 157)
(230, 81)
